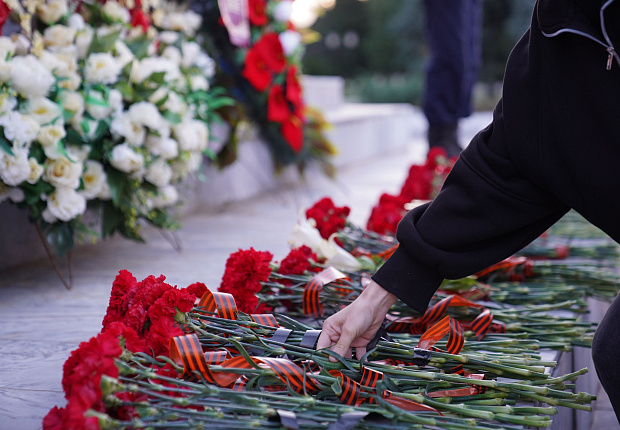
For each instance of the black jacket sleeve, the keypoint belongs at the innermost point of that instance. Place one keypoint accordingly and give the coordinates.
(485, 212)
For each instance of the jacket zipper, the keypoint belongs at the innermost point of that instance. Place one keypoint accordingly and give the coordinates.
(611, 51)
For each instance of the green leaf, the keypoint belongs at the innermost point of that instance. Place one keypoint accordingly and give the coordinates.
(6, 146)
(73, 137)
(337, 387)
(104, 43)
(125, 88)
(221, 102)
(209, 153)
(95, 101)
(139, 46)
(118, 185)
(172, 117)
(60, 235)
(156, 78)
(112, 220)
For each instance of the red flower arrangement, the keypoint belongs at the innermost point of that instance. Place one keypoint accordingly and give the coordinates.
(329, 218)
(256, 10)
(298, 262)
(423, 183)
(245, 271)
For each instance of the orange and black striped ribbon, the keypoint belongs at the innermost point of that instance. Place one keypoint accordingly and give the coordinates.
(384, 255)
(311, 297)
(351, 390)
(467, 391)
(216, 357)
(265, 319)
(222, 304)
(370, 377)
(186, 350)
(448, 326)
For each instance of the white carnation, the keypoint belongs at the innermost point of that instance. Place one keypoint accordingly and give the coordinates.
(36, 171)
(174, 103)
(52, 10)
(49, 138)
(290, 41)
(43, 110)
(101, 68)
(206, 64)
(198, 83)
(29, 77)
(159, 173)
(282, 11)
(19, 129)
(72, 101)
(173, 54)
(166, 196)
(116, 12)
(141, 70)
(72, 81)
(126, 159)
(147, 114)
(94, 179)
(63, 172)
(192, 135)
(166, 148)
(14, 169)
(64, 204)
(58, 36)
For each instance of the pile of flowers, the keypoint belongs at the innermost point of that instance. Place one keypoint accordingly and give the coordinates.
(105, 106)
(183, 358)
(423, 183)
(263, 74)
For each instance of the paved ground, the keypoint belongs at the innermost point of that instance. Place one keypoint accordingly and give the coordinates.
(41, 322)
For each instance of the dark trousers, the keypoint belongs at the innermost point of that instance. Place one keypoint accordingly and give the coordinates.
(453, 29)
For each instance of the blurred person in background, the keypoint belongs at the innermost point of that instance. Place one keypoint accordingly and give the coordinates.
(453, 30)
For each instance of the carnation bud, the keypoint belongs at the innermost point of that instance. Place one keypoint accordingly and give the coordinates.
(180, 317)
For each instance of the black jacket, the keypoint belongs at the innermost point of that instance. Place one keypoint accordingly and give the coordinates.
(554, 144)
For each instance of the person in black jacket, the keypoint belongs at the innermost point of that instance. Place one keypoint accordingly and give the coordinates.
(553, 145)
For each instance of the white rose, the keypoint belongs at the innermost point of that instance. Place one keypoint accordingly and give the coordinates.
(5, 71)
(174, 103)
(63, 172)
(51, 11)
(52, 62)
(188, 162)
(22, 44)
(7, 103)
(290, 40)
(72, 101)
(166, 196)
(29, 77)
(122, 53)
(282, 11)
(105, 193)
(78, 153)
(83, 39)
(134, 133)
(36, 171)
(16, 195)
(145, 113)
(168, 37)
(198, 83)
(191, 51)
(72, 81)
(58, 35)
(206, 64)
(165, 148)
(64, 204)
(187, 22)
(7, 47)
(126, 159)
(141, 70)
(43, 110)
(76, 21)
(94, 179)
(49, 137)
(14, 169)
(338, 257)
(19, 129)
(97, 106)
(173, 54)
(159, 173)
(101, 68)
(68, 58)
(192, 135)
(115, 12)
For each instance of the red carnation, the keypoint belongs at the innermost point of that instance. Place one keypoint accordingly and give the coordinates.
(139, 18)
(256, 12)
(123, 283)
(197, 289)
(127, 336)
(277, 107)
(159, 335)
(293, 132)
(244, 273)
(169, 303)
(385, 217)
(53, 419)
(329, 218)
(297, 261)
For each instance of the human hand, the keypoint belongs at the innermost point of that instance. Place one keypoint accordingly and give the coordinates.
(356, 325)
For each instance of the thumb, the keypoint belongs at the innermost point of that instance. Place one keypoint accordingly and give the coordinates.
(342, 345)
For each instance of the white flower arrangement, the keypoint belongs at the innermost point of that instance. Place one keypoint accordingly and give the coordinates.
(104, 107)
